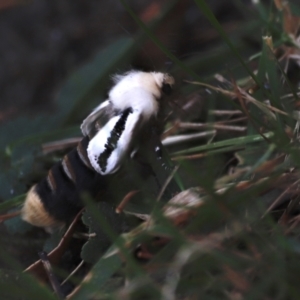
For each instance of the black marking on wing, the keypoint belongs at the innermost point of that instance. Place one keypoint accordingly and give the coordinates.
(112, 141)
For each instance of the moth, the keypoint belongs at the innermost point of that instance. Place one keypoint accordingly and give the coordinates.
(120, 129)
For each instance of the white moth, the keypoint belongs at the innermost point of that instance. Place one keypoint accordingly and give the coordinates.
(115, 125)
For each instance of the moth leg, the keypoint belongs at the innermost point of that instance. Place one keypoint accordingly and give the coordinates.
(160, 156)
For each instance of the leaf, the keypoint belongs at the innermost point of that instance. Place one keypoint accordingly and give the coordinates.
(250, 156)
(17, 285)
(99, 242)
(17, 225)
(229, 142)
(104, 269)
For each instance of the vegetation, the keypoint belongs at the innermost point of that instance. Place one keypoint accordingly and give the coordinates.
(232, 231)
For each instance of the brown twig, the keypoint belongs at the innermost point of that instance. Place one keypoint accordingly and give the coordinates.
(125, 200)
(55, 255)
(52, 278)
(280, 197)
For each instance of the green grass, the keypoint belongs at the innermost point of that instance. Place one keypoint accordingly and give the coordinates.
(236, 234)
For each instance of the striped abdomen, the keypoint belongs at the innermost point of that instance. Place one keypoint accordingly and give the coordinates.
(56, 199)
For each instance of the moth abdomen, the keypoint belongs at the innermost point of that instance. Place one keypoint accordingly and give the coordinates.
(35, 213)
(56, 199)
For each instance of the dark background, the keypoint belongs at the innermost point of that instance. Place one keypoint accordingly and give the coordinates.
(43, 42)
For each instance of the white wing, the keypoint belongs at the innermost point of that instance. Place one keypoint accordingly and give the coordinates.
(88, 125)
(113, 142)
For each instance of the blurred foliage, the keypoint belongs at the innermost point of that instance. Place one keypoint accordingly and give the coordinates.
(236, 235)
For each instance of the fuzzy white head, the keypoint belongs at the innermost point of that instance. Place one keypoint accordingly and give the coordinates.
(140, 90)
(133, 101)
